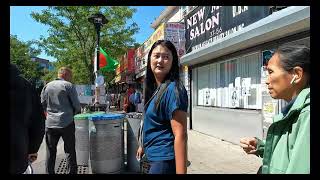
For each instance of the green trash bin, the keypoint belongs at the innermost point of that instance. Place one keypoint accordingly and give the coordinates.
(82, 138)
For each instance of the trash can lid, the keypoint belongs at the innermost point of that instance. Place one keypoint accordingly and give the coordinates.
(106, 117)
(83, 116)
(97, 112)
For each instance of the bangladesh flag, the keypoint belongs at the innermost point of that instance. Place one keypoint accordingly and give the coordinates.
(106, 63)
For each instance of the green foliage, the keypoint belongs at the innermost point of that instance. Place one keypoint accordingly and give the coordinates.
(72, 38)
(20, 54)
(50, 75)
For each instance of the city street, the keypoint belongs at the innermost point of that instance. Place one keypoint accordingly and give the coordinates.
(230, 72)
(206, 154)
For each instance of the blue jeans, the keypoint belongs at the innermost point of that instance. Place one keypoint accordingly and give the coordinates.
(162, 167)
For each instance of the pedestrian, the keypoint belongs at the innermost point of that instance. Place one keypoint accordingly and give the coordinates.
(286, 149)
(59, 98)
(164, 131)
(137, 97)
(119, 101)
(141, 104)
(125, 101)
(108, 100)
(137, 100)
(132, 106)
(27, 122)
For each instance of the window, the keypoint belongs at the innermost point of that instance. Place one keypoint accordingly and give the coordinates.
(234, 83)
(203, 79)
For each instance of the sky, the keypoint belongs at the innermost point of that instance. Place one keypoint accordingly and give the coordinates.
(22, 25)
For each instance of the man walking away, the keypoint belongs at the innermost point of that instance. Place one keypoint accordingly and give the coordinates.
(59, 98)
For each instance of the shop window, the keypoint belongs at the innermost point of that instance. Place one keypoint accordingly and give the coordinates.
(234, 83)
(203, 88)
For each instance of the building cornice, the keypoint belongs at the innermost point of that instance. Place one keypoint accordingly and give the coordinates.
(168, 10)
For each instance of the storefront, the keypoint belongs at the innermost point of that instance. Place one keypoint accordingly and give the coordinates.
(172, 31)
(225, 47)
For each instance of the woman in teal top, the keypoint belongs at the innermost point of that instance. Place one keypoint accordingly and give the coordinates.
(164, 132)
(286, 149)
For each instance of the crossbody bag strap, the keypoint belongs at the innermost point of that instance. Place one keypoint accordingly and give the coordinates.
(140, 136)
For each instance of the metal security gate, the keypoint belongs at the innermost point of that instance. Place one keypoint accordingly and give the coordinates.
(62, 168)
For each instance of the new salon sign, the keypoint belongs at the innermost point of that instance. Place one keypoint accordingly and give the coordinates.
(207, 24)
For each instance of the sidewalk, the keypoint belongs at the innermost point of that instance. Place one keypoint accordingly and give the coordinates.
(206, 154)
(209, 155)
(39, 164)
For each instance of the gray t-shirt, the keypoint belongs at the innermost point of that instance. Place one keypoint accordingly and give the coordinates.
(60, 99)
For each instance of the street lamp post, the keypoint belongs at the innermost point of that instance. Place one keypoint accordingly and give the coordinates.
(98, 20)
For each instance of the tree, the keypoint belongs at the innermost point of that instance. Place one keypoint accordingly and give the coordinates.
(136, 45)
(20, 55)
(72, 39)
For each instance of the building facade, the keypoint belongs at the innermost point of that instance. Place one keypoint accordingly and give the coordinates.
(225, 48)
(167, 26)
(44, 63)
(222, 64)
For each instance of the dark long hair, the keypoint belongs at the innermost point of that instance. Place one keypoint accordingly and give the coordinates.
(173, 75)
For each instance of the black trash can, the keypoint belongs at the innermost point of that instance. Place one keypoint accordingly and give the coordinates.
(106, 143)
(133, 125)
